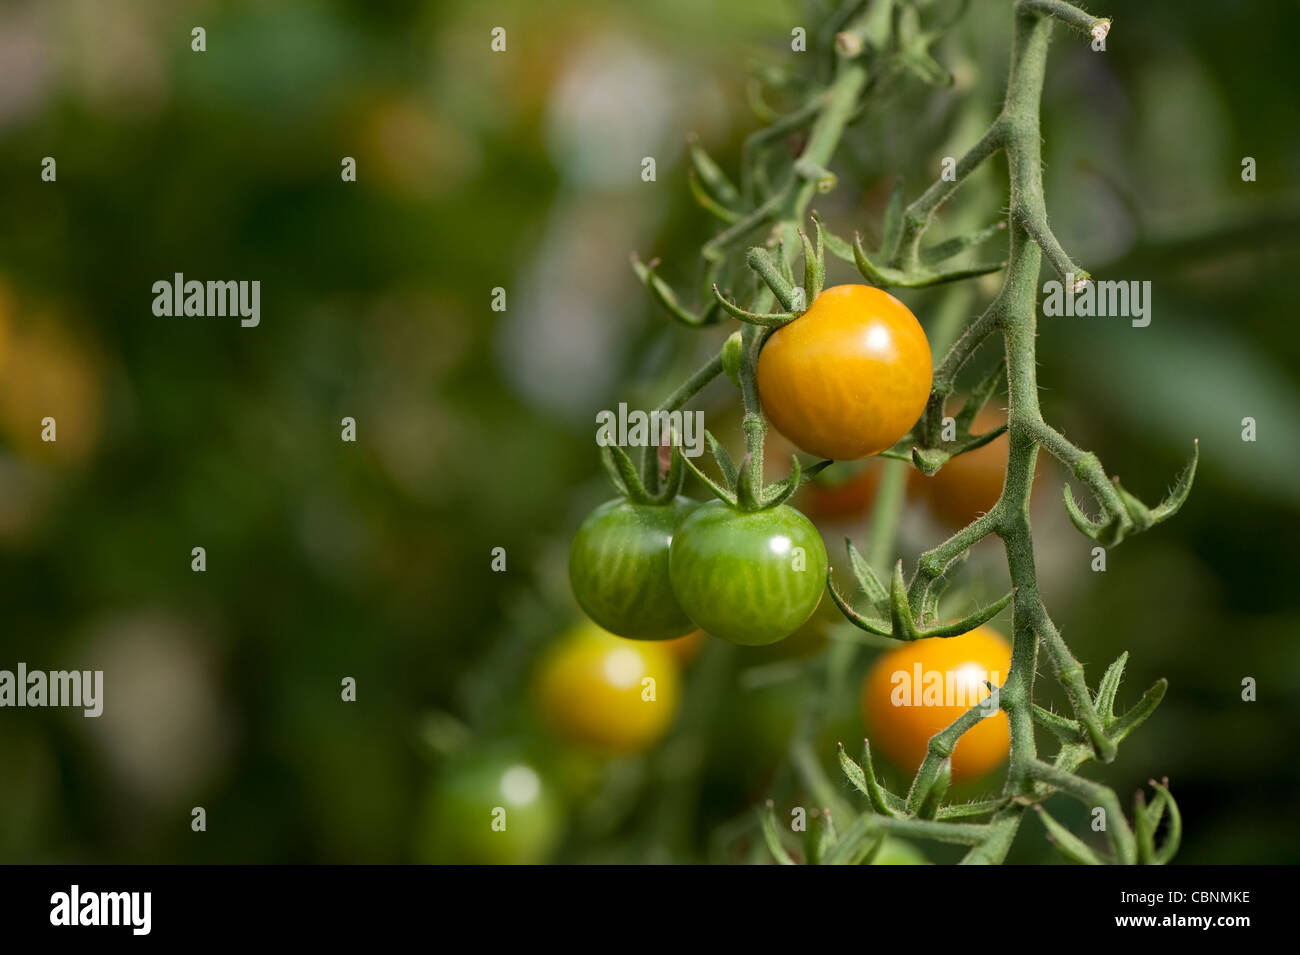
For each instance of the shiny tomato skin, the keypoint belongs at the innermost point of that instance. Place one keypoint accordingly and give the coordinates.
(900, 719)
(749, 577)
(618, 567)
(849, 377)
(477, 789)
(592, 690)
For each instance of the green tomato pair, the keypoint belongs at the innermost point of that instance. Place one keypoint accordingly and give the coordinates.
(659, 571)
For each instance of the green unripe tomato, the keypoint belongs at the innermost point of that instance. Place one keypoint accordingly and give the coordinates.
(750, 577)
(489, 809)
(618, 567)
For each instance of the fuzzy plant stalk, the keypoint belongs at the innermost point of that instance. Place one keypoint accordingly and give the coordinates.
(865, 48)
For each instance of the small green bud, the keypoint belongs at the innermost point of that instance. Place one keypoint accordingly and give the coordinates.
(731, 355)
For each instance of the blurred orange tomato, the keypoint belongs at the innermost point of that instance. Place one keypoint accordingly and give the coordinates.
(46, 372)
(843, 500)
(917, 690)
(970, 484)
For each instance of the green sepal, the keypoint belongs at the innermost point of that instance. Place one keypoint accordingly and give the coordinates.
(1109, 686)
(1063, 728)
(773, 836)
(664, 295)
(782, 286)
(814, 268)
(885, 277)
(863, 778)
(840, 248)
(1066, 842)
(1140, 711)
(947, 249)
(707, 202)
(764, 320)
(711, 174)
(933, 799)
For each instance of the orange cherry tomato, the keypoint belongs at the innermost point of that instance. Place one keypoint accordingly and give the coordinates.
(913, 692)
(845, 500)
(849, 377)
(969, 484)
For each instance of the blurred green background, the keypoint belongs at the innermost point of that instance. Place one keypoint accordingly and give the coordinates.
(521, 170)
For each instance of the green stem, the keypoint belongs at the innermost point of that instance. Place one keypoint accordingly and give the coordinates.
(674, 402)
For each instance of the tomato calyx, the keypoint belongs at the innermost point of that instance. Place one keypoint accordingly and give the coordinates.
(895, 617)
(622, 473)
(743, 488)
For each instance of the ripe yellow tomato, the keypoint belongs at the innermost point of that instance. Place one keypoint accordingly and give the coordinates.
(849, 377)
(609, 694)
(913, 692)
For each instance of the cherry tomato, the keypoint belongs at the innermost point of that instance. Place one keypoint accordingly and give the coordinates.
(489, 808)
(750, 577)
(606, 693)
(918, 689)
(849, 377)
(618, 567)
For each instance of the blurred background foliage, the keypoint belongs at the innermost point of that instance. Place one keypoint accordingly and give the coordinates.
(522, 170)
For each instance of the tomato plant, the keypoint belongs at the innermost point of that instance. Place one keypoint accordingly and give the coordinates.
(618, 567)
(749, 577)
(912, 692)
(607, 693)
(490, 807)
(847, 373)
(849, 377)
